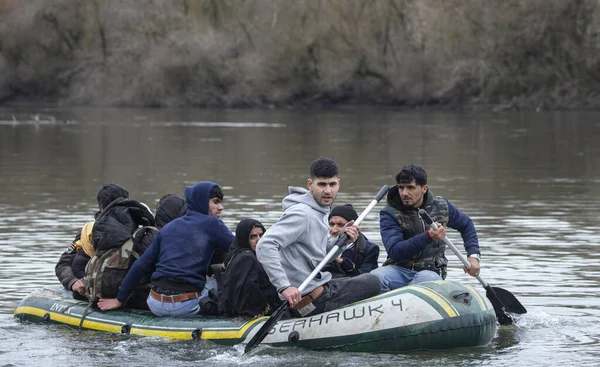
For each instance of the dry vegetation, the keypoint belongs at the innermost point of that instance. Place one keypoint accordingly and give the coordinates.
(521, 54)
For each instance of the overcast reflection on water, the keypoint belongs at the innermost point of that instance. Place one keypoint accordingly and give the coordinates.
(529, 181)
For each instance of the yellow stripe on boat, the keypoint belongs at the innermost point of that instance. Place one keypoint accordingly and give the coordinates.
(160, 331)
(69, 320)
(437, 298)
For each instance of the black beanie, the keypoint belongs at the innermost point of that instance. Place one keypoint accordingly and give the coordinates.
(345, 211)
(108, 193)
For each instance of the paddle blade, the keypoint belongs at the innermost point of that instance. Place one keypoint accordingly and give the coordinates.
(503, 302)
(264, 330)
(510, 302)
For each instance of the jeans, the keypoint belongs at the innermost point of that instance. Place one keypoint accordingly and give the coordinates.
(343, 291)
(394, 276)
(189, 307)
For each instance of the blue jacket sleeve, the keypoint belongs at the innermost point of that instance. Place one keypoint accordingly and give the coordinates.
(371, 258)
(393, 239)
(462, 223)
(142, 266)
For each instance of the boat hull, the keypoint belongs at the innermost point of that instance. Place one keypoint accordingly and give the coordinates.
(431, 315)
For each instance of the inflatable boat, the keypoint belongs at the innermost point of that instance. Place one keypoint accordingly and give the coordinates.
(429, 315)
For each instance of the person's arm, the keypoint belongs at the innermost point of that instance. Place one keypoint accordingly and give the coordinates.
(396, 246)
(462, 223)
(290, 227)
(64, 266)
(371, 259)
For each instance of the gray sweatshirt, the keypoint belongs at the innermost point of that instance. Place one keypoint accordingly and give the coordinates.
(293, 247)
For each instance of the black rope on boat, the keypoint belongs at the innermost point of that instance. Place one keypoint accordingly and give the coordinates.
(85, 312)
(47, 317)
(126, 329)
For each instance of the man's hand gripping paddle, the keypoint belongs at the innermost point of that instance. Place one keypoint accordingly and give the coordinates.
(262, 333)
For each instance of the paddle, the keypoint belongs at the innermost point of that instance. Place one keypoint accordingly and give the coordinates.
(502, 300)
(262, 333)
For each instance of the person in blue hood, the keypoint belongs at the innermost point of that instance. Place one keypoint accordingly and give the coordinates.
(180, 255)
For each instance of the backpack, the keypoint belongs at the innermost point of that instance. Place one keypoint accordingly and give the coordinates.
(105, 273)
(115, 236)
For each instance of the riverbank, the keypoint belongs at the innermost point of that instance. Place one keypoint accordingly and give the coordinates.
(510, 55)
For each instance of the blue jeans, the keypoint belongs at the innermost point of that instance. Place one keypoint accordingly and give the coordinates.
(189, 307)
(394, 276)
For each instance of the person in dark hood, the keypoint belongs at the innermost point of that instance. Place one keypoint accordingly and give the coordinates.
(179, 256)
(415, 252)
(169, 207)
(244, 287)
(70, 267)
(362, 257)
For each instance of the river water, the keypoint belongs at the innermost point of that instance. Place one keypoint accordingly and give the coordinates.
(530, 182)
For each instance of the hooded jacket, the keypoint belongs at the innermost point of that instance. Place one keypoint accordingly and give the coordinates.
(244, 287)
(182, 249)
(169, 207)
(296, 244)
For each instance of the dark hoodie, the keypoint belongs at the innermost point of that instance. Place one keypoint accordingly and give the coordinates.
(170, 206)
(244, 287)
(182, 250)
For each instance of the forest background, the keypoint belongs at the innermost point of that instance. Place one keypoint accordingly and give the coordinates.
(507, 54)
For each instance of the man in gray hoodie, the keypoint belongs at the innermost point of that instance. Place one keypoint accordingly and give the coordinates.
(294, 246)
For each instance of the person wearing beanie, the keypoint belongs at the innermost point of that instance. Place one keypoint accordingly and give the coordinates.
(362, 257)
(70, 267)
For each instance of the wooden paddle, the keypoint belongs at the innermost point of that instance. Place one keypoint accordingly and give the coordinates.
(502, 300)
(335, 250)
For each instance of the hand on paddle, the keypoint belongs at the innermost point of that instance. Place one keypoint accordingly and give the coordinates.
(106, 304)
(437, 234)
(475, 267)
(352, 231)
(293, 295)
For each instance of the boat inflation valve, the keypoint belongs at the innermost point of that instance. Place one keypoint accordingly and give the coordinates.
(461, 297)
(46, 316)
(125, 329)
(197, 334)
(294, 336)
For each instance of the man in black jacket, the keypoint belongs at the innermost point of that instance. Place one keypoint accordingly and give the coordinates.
(70, 273)
(362, 257)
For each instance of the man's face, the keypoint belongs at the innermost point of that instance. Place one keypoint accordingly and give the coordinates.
(324, 190)
(215, 207)
(336, 223)
(412, 194)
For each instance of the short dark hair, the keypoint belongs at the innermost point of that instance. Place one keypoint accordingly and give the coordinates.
(412, 172)
(216, 192)
(323, 167)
